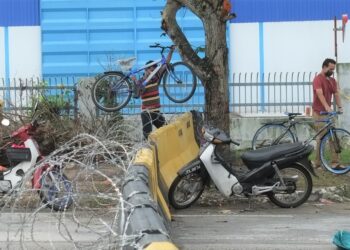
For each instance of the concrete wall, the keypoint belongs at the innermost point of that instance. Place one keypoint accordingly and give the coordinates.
(2, 50)
(24, 48)
(242, 128)
(23, 52)
(343, 71)
(298, 46)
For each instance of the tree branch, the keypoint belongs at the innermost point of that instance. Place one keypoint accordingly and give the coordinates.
(172, 29)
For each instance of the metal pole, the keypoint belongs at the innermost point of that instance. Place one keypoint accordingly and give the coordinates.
(335, 39)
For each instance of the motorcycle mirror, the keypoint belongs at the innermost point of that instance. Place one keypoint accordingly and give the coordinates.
(5, 122)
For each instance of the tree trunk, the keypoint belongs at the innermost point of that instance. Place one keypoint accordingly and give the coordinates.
(216, 86)
(212, 70)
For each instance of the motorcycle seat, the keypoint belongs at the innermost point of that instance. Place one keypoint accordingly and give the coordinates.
(256, 158)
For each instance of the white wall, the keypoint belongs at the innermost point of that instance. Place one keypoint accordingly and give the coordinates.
(244, 48)
(25, 51)
(288, 46)
(297, 46)
(2, 54)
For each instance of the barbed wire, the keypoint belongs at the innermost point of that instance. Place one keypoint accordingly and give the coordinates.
(95, 165)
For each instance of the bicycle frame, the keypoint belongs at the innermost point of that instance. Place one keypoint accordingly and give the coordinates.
(289, 128)
(327, 127)
(162, 61)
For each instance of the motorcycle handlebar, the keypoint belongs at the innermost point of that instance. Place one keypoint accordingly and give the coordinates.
(235, 143)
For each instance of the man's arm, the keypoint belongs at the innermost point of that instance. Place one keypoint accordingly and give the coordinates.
(338, 99)
(320, 96)
(168, 59)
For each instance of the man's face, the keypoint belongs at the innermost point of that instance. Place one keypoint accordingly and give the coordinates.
(329, 70)
(149, 70)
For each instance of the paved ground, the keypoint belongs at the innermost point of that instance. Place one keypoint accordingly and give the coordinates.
(264, 226)
(46, 230)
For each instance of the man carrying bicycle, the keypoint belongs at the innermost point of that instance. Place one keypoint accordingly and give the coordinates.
(151, 114)
(325, 87)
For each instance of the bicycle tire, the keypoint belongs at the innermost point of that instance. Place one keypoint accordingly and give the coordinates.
(263, 132)
(179, 70)
(106, 98)
(342, 144)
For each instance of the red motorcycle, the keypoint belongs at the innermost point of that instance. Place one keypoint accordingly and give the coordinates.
(20, 156)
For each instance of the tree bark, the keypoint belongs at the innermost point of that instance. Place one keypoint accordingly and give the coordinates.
(212, 70)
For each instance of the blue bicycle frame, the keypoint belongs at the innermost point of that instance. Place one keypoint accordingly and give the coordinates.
(162, 61)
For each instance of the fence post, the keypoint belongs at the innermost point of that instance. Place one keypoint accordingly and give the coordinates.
(75, 90)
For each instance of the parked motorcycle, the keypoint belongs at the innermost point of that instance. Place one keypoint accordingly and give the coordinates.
(20, 156)
(282, 172)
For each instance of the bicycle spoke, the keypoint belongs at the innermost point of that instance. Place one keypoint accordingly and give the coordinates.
(179, 82)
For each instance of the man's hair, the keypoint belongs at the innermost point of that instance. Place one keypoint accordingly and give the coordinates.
(327, 62)
(151, 61)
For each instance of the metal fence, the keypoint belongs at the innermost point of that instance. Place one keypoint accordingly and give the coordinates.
(271, 93)
(250, 93)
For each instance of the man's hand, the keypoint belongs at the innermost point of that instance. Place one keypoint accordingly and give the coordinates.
(329, 109)
(340, 109)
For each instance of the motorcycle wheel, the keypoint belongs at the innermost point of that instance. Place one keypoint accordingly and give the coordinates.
(185, 190)
(299, 186)
(56, 190)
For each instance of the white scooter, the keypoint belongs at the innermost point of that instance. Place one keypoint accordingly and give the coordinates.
(20, 156)
(281, 172)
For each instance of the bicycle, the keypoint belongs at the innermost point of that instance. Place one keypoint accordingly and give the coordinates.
(277, 132)
(113, 90)
(334, 141)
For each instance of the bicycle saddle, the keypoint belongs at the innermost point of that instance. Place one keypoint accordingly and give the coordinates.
(126, 62)
(293, 114)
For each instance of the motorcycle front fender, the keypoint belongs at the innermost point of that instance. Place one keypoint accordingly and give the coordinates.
(36, 183)
(194, 166)
(191, 167)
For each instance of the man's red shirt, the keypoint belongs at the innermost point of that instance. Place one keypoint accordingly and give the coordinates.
(328, 86)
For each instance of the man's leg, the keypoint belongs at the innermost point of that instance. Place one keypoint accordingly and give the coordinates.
(335, 155)
(158, 119)
(318, 126)
(146, 123)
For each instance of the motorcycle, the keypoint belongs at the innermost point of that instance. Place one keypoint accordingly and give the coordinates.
(282, 172)
(21, 155)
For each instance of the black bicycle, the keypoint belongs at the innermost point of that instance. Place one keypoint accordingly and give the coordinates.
(113, 90)
(335, 142)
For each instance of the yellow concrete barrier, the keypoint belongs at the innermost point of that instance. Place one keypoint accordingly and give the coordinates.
(176, 146)
(172, 147)
(147, 157)
(161, 246)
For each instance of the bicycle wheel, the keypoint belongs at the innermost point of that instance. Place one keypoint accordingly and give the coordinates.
(272, 134)
(111, 92)
(335, 151)
(179, 82)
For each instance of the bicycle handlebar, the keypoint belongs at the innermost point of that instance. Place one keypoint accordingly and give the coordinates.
(332, 113)
(157, 45)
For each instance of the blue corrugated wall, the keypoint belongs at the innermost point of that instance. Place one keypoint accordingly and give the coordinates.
(81, 37)
(251, 11)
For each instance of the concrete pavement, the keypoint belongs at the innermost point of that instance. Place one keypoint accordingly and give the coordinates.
(265, 226)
